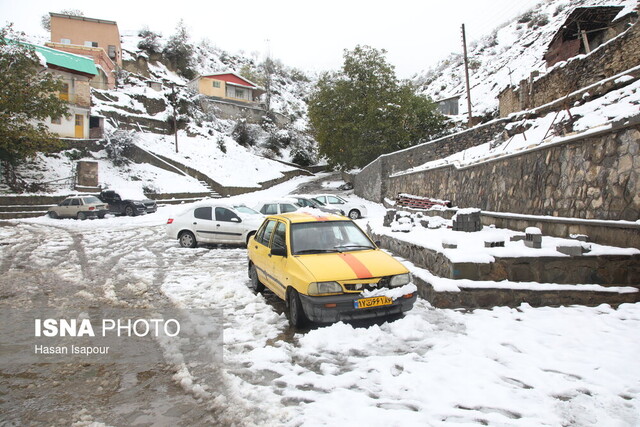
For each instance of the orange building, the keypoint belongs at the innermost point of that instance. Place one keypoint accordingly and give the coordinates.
(95, 38)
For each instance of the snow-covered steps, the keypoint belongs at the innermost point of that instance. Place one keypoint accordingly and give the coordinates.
(213, 193)
(471, 294)
(449, 293)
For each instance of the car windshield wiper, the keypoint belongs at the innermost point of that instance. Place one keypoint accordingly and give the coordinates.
(353, 247)
(316, 251)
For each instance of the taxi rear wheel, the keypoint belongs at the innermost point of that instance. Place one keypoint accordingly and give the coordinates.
(297, 318)
(254, 282)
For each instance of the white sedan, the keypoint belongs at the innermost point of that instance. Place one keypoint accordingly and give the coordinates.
(213, 223)
(352, 210)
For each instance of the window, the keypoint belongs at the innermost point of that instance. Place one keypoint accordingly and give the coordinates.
(111, 51)
(65, 41)
(91, 44)
(224, 214)
(66, 202)
(216, 84)
(64, 93)
(79, 120)
(279, 237)
(269, 209)
(284, 208)
(203, 213)
(75, 202)
(57, 121)
(335, 201)
(240, 93)
(91, 199)
(268, 230)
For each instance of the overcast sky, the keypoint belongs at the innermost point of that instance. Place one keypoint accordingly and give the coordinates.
(310, 35)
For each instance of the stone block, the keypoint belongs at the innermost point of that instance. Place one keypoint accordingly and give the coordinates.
(389, 218)
(467, 220)
(533, 238)
(87, 173)
(571, 250)
(494, 244)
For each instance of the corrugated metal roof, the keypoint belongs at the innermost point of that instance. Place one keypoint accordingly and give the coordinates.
(66, 60)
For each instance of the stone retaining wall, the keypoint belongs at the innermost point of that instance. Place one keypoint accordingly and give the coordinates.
(370, 183)
(594, 177)
(614, 57)
(603, 270)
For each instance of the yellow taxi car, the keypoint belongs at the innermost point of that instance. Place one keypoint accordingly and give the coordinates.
(326, 269)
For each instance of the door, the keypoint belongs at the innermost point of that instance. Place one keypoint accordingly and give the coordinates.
(229, 226)
(79, 126)
(76, 207)
(277, 265)
(65, 208)
(260, 252)
(203, 225)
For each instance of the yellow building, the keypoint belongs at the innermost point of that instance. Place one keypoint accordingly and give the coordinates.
(227, 86)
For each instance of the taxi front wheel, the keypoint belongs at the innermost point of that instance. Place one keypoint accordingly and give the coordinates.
(254, 283)
(297, 318)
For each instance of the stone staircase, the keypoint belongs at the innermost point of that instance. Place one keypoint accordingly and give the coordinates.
(213, 193)
(538, 281)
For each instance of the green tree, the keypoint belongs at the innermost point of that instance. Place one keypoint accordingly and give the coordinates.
(179, 51)
(363, 111)
(27, 98)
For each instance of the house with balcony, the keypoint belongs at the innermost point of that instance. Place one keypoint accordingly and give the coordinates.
(98, 39)
(227, 86)
(76, 72)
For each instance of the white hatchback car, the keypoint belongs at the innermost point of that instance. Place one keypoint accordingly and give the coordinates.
(350, 209)
(277, 206)
(213, 223)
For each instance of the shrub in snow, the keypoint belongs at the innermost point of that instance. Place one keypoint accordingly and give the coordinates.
(118, 142)
(150, 42)
(242, 134)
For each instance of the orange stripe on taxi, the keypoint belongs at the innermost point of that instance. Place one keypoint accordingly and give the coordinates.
(362, 272)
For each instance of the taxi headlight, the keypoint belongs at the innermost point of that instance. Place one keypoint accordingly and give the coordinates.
(318, 288)
(400, 280)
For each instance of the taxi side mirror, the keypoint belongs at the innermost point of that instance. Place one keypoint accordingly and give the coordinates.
(281, 251)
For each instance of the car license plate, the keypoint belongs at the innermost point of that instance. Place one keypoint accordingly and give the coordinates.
(372, 302)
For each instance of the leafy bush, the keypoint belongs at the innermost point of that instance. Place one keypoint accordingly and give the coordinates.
(150, 41)
(117, 144)
(242, 134)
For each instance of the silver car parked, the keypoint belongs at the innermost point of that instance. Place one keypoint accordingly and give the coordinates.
(80, 207)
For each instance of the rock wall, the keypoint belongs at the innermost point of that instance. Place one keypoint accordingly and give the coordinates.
(594, 177)
(369, 183)
(616, 56)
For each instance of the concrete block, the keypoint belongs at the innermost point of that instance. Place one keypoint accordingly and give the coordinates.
(571, 250)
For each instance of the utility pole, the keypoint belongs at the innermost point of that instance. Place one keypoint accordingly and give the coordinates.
(466, 74)
(174, 102)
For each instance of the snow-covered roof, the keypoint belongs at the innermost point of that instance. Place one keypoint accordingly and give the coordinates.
(231, 78)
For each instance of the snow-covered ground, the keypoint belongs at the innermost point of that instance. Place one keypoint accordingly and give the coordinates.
(517, 367)
(234, 167)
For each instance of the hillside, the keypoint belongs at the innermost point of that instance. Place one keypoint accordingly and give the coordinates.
(504, 57)
(233, 152)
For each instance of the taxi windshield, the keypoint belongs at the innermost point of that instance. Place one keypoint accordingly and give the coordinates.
(327, 237)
